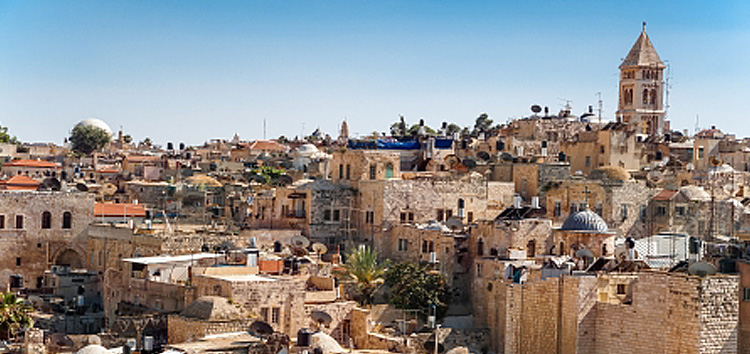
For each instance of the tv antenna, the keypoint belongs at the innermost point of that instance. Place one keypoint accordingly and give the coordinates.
(667, 86)
(600, 106)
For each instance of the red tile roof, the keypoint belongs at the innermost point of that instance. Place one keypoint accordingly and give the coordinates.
(19, 183)
(119, 210)
(32, 163)
(665, 194)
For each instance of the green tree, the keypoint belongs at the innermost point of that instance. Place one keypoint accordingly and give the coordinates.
(451, 129)
(482, 124)
(14, 315)
(363, 267)
(414, 129)
(86, 139)
(5, 137)
(414, 287)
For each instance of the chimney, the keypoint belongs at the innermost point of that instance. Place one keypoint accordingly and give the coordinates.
(535, 202)
(517, 201)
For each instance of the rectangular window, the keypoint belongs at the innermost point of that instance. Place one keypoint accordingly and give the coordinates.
(327, 215)
(680, 210)
(18, 261)
(341, 171)
(424, 246)
(19, 221)
(448, 214)
(661, 210)
(336, 215)
(573, 208)
(411, 217)
(369, 217)
(621, 289)
(624, 211)
(403, 245)
(746, 294)
(275, 315)
(2, 221)
(373, 171)
(264, 314)
(479, 270)
(440, 215)
(558, 209)
(470, 216)
(588, 161)
(403, 218)
(348, 171)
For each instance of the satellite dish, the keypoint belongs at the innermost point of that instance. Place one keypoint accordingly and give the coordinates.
(108, 189)
(51, 183)
(701, 269)
(483, 155)
(469, 163)
(319, 248)
(261, 329)
(452, 160)
(714, 161)
(454, 222)
(82, 187)
(300, 241)
(321, 317)
(536, 108)
(506, 157)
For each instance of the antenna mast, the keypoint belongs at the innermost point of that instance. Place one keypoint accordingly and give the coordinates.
(600, 106)
(697, 120)
(264, 129)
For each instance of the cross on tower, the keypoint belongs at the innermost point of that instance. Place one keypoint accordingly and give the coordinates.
(586, 193)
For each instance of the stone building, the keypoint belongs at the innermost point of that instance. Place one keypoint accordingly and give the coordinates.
(620, 201)
(645, 312)
(41, 229)
(584, 230)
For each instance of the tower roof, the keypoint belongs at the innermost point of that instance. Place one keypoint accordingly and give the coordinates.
(643, 53)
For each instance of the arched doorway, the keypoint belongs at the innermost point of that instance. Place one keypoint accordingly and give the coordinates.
(69, 258)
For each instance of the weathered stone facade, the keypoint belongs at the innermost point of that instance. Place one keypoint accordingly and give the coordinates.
(40, 229)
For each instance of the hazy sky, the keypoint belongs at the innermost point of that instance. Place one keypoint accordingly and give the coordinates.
(192, 71)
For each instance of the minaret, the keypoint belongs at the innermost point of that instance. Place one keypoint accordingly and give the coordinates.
(641, 103)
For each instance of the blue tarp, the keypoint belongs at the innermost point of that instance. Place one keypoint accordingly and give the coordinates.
(443, 143)
(384, 144)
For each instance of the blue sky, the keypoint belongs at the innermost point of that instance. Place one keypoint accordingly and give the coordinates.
(192, 71)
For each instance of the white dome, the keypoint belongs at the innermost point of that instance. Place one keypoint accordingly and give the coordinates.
(307, 150)
(97, 123)
(93, 349)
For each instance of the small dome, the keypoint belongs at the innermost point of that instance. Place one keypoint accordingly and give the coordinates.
(93, 349)
(97, 123)
(307, 150)
(585, 220)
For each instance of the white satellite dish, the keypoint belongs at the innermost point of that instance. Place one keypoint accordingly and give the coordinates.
(300, 241)
(319, 248)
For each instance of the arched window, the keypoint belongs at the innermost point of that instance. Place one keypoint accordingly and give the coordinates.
(531, 249)
(645, 96)
(67, 220)
(653, 96)
(480, 247)
(604, 250)
(46, 220)
(389, 170)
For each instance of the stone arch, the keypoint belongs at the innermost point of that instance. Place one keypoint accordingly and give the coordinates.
(69, 257)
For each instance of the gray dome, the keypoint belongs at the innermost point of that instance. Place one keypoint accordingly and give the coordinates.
(585, 220)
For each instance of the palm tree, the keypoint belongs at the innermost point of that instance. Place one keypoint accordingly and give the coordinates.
(363, 267)
(14, 315)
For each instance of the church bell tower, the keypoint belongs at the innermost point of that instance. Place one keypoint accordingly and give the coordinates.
(641, 103)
